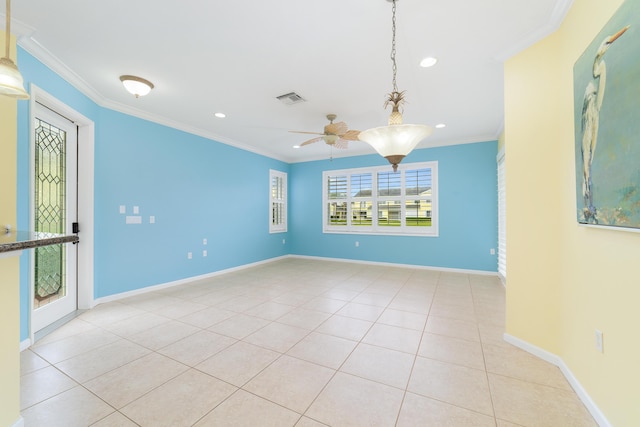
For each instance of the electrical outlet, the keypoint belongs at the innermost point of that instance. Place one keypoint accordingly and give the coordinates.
(152, 219)
(599, 342)
(189, 255)
(357, 244)
(283, 241)
(204, 241)
(204, 253)
(492, 251)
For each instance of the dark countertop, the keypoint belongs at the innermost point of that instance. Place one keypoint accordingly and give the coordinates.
(19, 240)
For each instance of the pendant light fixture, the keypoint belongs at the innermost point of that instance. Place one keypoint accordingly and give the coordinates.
(136, 86)
(11, 82)
(395, 141)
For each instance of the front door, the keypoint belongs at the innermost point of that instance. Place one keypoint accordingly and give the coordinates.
(54, 211)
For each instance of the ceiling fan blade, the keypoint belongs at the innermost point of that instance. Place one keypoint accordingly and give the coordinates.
(351, 135)
(308, 133)
(336, 128)
(342, 144)
(311, 141)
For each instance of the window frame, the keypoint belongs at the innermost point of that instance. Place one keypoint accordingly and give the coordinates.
(281, 226)
(342, 195)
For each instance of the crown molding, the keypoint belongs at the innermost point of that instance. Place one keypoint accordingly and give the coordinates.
(439, 143)
(174, 124)
(33, 47)
(500, 129)
(558, 15)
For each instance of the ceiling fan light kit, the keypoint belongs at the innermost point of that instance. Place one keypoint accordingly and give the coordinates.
(136, 86)
(335, 135)
(11, 82)
(396, 140)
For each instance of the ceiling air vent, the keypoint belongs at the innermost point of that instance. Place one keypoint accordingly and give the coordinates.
(290, 98)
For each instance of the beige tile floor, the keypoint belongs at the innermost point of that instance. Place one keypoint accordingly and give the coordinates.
(297, 342)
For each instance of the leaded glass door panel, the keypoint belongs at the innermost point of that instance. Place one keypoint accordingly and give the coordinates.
(54, 210)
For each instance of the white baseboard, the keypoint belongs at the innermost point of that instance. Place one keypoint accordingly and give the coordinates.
(391, 264)
(25, 344)
(19, 422)
(116, 297)
(503, 279)
(554, 359)
(152, 288)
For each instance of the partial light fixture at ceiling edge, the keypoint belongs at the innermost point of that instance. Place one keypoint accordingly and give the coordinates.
(396, 140)
(11, 82)
(135, 85)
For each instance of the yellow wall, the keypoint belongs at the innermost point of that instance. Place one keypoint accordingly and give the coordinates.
(9, 267)
(564, 281)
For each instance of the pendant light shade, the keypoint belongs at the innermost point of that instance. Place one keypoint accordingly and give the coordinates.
(396, 140)
(11, 82)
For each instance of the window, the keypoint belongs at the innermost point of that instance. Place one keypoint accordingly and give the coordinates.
(379, 201)
(277, 202)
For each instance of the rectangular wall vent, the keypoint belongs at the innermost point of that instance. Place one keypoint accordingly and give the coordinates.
(290, 98)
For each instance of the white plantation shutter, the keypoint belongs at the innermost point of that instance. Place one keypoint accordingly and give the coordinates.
(376, 200)
(277, 202)
(502, 217)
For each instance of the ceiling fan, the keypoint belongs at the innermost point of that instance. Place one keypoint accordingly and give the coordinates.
(335, 134)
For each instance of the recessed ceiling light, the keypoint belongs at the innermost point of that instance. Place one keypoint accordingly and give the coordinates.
(440, 126)
(428, 62)
(220, 115)
(296, 146)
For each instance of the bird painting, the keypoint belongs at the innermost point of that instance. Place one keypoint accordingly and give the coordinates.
(593, 99)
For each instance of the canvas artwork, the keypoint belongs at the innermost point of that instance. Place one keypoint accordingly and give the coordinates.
(607, 123)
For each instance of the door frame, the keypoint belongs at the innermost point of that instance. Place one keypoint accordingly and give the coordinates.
(85, 214)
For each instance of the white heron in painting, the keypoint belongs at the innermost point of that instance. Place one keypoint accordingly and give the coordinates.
(593, 97)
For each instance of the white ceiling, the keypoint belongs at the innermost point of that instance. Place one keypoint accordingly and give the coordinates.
(236, 57)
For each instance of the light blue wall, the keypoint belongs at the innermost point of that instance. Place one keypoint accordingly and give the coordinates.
(196, 188)
(468, 215)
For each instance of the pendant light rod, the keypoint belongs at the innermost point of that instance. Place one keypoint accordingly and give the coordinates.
(8, 28)
(394, 66)
(396, 140)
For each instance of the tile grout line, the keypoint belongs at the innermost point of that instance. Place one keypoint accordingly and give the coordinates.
(346, 358)
(271, 363)
(415, 357)
(343, 362)
(484, 359)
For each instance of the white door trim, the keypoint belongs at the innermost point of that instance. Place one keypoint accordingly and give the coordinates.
(86, 143)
